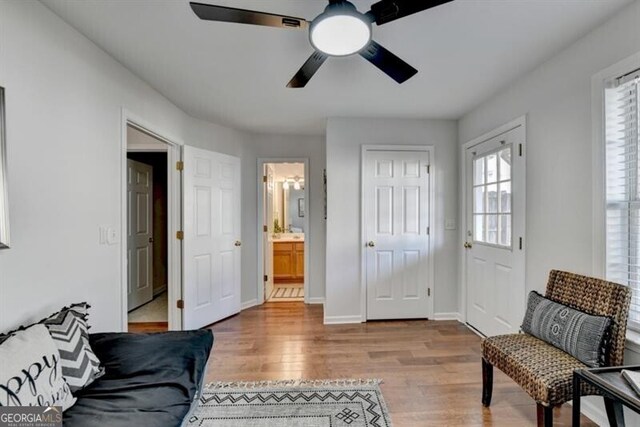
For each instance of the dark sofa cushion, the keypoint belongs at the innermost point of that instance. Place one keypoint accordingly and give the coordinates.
(150, 379)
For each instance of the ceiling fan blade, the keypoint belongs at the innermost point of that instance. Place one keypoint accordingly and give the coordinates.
(389, 10)
(307, 71)
(386, 61)
(210, 12)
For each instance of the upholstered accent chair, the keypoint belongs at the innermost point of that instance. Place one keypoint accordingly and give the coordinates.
(546, 372)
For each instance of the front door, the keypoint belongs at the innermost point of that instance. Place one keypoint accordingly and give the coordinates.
(396, 233)
(211, 286)
(139, 234)
(494, 255)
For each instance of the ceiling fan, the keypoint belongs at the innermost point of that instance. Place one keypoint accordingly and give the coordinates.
(340, 30)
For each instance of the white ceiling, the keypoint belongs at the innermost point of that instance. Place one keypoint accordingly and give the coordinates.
(236, 74)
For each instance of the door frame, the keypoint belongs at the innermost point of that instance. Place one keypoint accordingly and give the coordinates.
(363, 253)
(262, 161)
(513, 124)
(174, 216)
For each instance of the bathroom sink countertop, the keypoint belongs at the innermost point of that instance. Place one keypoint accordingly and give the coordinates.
(288, 237)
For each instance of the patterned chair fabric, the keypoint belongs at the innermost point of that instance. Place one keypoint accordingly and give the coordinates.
(544, 371)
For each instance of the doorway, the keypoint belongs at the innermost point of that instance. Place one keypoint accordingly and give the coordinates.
(285, 230)
(156, 158)
(147, 232)
(494, 209)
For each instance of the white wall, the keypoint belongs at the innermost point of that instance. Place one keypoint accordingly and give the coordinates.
(556, 97)
(64, 99)
(344, 140)
(284, 146)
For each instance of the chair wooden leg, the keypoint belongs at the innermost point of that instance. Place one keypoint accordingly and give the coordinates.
(614, 412)
(487, 382)
(544, 415)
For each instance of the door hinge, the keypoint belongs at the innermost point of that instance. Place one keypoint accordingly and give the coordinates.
(428, 292)
(180, 165)
(520, 243)
(180, 235)
(428, 231)
(266, 278)
(265, 228)
(520, 150)
(428, 169)
(180, 304)
(264, 178)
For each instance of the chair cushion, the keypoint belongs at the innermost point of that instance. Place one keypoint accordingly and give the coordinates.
(543, 371)
(580, 334)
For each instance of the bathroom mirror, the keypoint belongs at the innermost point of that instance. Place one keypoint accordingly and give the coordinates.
(4, 198)
(294, 210)
(288, 209)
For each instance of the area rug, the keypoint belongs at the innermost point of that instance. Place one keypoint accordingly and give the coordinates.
(287, 293)
(300, 403)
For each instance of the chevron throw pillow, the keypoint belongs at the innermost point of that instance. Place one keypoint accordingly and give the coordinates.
(69, 330)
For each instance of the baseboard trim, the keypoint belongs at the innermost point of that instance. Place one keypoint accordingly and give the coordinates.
(338, 320)
(447, 316)
(159, 291)
(316, 300)
(249, 304)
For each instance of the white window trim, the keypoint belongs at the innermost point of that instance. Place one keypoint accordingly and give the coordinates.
(598, 161)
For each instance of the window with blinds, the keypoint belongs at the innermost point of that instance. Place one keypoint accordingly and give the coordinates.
(622, 121)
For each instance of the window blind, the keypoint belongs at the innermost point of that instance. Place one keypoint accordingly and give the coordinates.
(622, 121)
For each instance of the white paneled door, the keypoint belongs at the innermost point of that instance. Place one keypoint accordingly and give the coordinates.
(211, 246)
(139, 234)
(396, 233)
(494, 243)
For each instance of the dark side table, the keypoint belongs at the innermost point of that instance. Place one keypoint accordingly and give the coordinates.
(613, 387)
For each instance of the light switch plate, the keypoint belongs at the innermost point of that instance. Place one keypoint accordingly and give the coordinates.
(450, 224)
(112, 236)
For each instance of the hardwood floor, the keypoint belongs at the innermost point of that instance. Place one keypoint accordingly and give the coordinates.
(431, 370)
(144, 327)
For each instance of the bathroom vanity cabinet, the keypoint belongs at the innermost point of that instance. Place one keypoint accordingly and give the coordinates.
(288, 262)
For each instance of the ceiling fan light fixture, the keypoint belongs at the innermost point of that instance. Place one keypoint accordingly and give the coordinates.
(340, 34)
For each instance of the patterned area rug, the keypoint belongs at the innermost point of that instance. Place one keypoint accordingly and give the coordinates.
(318, 403)
(287, 293)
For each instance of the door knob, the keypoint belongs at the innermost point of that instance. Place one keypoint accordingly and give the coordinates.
(150, 239)
(238, 243)
(371, 244)
(467, 245)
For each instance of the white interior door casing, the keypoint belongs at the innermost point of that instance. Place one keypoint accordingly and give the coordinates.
(139, 234)
(268, 220)
(396, 204)
(494, 233)
(212, 251)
